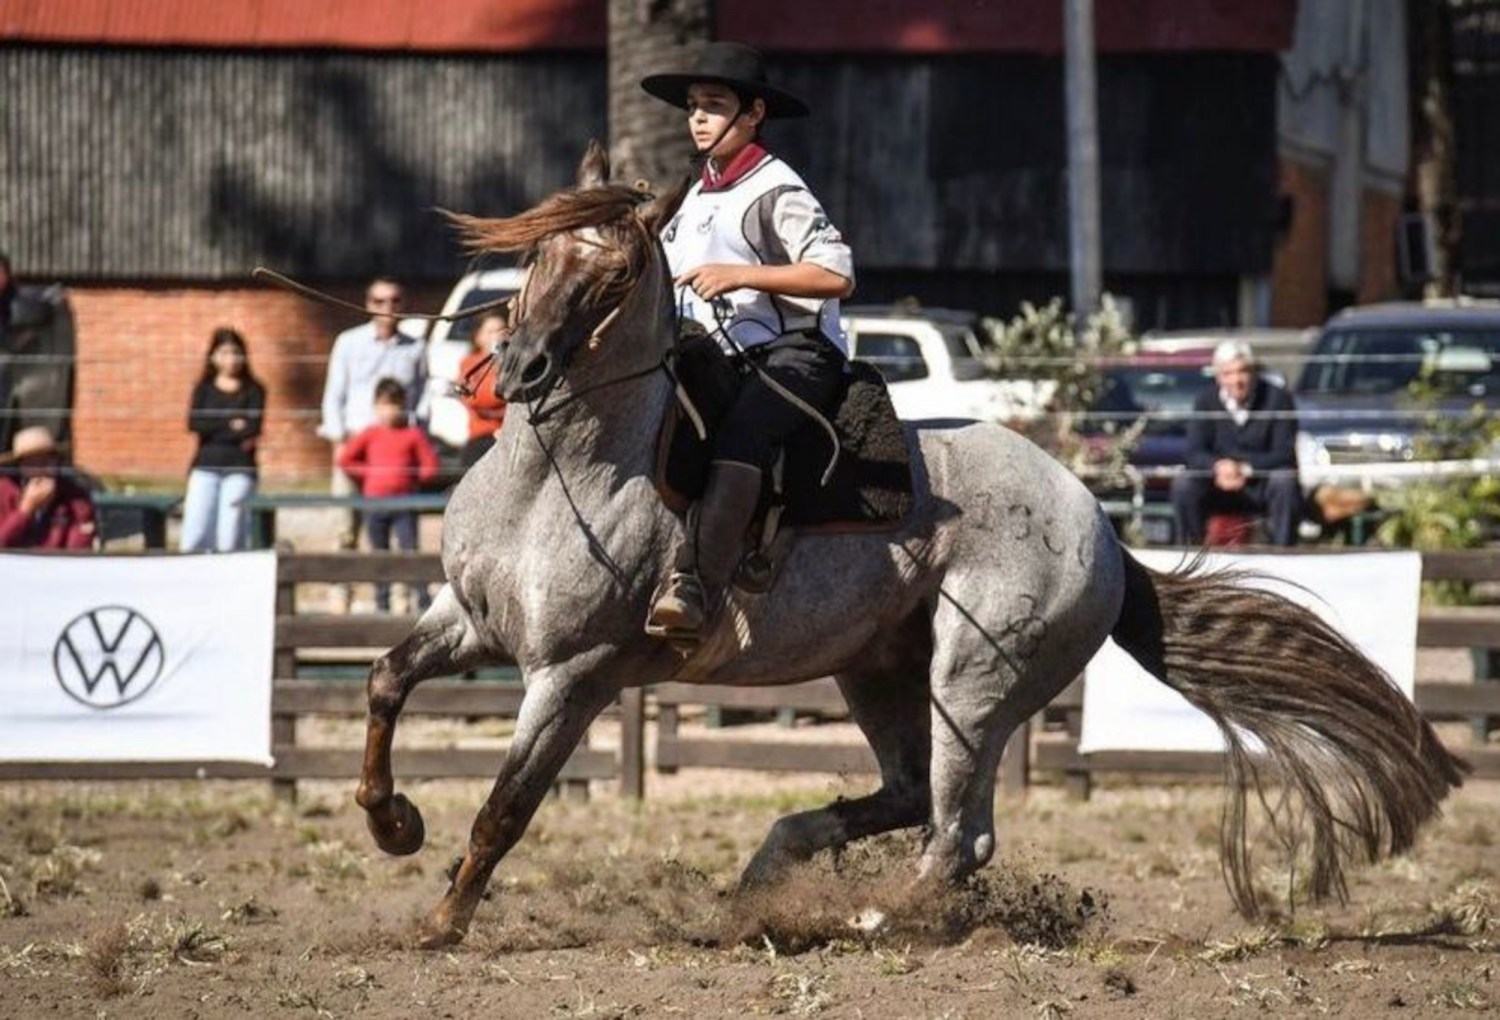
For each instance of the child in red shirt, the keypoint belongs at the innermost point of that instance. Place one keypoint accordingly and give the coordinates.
(390, 458)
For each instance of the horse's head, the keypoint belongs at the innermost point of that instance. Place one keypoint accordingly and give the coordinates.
(587, 248)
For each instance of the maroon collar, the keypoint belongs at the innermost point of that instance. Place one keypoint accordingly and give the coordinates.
(744, 161)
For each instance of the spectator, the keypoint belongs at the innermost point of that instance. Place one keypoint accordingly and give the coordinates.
(390, 458)
(227, 408)
(361, 357)
(486, 408)
(40, 506)
(1241, 451)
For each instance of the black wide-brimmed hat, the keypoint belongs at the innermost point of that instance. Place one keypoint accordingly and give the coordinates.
(740, 67)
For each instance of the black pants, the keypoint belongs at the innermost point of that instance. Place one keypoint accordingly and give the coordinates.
(761, 420)
(1276, 495)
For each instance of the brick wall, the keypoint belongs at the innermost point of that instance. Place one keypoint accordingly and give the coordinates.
(1299, 273)
(141, 348)
(1299, 268)
(1379, 217)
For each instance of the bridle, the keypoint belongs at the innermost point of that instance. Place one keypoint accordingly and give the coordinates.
(541, 408)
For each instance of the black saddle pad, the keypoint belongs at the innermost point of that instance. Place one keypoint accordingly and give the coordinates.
(871, 484)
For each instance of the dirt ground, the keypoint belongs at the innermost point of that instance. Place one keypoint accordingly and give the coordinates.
(211, 899)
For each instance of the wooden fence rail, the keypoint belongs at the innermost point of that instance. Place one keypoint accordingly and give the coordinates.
(303, 638)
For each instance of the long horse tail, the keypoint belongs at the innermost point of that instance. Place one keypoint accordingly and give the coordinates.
(1331, 724)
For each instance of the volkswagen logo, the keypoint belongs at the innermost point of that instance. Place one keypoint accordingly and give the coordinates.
(108, 657)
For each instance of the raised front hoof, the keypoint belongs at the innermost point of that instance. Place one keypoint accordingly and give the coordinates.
(398, 830)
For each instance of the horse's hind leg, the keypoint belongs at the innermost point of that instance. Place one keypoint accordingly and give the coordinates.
(986, 680)
(443, 642)
(889, 703)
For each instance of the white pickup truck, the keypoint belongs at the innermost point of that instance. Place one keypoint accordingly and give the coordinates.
(938, 363)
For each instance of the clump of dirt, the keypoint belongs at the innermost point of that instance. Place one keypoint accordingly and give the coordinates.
(867, 895)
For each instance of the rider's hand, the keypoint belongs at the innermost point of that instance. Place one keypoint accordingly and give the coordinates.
(712, 280)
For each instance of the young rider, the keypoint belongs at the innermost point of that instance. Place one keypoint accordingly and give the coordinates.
(757, 263)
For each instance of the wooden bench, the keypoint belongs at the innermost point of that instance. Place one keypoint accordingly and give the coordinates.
(122, 514)
(264, 506)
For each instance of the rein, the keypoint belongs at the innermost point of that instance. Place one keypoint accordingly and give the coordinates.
(287, 283)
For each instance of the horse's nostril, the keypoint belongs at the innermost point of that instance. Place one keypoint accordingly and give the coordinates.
(536, 371)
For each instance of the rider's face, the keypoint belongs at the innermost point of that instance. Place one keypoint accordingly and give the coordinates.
(715, 112)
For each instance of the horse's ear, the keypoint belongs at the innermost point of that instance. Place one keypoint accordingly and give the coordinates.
(594, 168)
(656, 212)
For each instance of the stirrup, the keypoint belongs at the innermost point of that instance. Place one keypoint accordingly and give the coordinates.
(680, 609)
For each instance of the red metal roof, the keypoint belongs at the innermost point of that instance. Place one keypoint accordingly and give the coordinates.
(389, 25)
(1006, 26)
(830, 26)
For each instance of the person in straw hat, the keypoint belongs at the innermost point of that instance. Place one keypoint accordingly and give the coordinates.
(757, 263)
(40, 507)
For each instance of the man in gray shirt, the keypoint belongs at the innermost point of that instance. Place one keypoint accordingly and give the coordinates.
(361, 357)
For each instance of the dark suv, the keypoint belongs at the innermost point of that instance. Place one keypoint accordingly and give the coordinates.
(1355, 400)
(36, 364)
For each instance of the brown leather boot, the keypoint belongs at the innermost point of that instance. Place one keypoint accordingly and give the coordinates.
(716, 539)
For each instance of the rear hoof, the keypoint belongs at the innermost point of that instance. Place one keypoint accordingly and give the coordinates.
(400, 831)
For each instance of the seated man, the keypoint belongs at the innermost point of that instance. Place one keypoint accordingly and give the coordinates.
(40, 507)
(1241, 455)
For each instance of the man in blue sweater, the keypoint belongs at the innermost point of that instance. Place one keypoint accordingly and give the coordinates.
(1241, 455)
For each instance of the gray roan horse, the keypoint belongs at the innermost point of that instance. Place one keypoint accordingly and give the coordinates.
(943, 634)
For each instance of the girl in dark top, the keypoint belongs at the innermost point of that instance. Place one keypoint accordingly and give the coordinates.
(228, 405)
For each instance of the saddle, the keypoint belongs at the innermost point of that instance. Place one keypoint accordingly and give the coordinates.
(869, 488)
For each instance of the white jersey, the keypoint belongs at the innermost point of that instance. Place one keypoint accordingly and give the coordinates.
(766, 217)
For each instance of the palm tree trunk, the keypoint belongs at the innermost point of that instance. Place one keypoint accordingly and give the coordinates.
(647, 138)
(1429, 33)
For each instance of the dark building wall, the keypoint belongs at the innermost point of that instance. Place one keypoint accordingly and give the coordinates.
(960, 162)
(139, 164)
(947, 173)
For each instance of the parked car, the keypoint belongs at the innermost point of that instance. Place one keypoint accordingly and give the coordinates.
(37, 355)
(1354, 399)
(448, 342)
(1280, 352)
(938, 363)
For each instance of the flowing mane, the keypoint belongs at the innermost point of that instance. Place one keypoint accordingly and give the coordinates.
(566, 210)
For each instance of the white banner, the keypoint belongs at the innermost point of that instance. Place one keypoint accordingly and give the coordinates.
(1371, 598)
(137, 658)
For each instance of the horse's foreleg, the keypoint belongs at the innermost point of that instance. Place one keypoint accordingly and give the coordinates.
(554, 716)
(442, 642)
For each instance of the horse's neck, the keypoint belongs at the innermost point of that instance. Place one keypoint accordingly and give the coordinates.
(611, 406)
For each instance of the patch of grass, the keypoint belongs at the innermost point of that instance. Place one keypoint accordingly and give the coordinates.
(1460, 995)
(59, 874)
(108, 960)
(249, 912)
(1470, 909)
(1242, 946)
(193, 943)
(11, 905)
(335, 860)
(803, 994)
